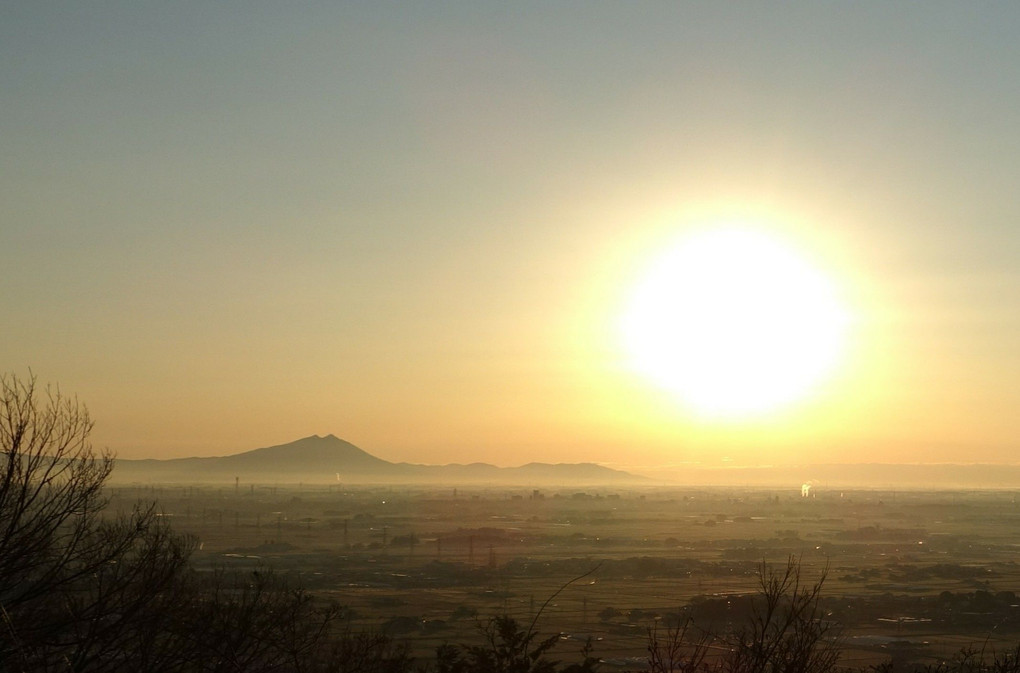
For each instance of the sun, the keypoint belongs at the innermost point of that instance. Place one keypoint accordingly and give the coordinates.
(735, 322)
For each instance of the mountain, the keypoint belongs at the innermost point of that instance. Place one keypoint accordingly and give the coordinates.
(326, 459)
(320, 459)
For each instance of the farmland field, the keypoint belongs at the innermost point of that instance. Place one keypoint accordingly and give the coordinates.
(912, 575)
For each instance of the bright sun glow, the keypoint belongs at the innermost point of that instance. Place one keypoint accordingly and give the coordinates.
(735, 323)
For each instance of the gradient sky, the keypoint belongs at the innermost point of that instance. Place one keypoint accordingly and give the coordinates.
(230, 225)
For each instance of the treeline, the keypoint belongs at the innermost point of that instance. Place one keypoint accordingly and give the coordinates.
(82, 592)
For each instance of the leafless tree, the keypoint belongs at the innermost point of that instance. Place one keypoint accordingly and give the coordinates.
(254, 621)
(74, 588)
(80, 591)
(510, 648)
(677, 648)
(50, 492)
(787, 631)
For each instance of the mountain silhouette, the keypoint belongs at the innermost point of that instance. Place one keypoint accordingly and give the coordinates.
(318, 459)
(312, 454)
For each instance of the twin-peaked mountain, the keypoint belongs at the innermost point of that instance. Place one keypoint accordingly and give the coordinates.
(330, 459)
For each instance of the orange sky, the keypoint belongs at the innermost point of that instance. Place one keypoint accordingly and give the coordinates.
(416, 228)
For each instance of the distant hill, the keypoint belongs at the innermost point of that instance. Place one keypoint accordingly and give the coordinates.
(325, 459)
(320, 459)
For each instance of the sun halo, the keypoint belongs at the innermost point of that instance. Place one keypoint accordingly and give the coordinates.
(734, 323)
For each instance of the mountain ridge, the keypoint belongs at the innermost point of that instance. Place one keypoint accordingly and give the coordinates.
(330, 459)
(316, 459)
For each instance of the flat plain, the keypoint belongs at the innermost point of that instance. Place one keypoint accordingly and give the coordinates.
(910, 575)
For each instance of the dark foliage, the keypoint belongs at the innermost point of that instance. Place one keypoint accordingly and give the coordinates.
(509, 648)
(82, 593)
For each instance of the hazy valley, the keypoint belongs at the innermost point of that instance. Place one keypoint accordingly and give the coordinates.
(912, 576)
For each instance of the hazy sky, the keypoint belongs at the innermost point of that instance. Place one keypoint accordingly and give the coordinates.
(230, 225)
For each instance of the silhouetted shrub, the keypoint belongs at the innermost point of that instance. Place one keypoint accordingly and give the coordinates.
(82, 593)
